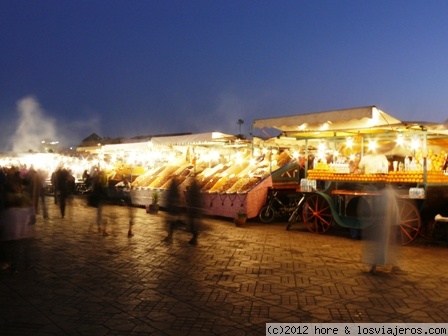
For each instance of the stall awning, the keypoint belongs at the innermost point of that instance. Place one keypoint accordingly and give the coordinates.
(192, 139)
(345, 120)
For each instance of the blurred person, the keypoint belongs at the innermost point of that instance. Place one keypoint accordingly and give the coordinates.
(62, 187)
(87, 179)
(14, 196)
(54, 185)
(71, 182)
(28, 182)
(123, 189)
(96, 199)
(173, 209)
(378, 251)
(373, 164)
(131, 215)
(194, 210)
(17, 221)
(301, 161)
(40, 186)
(354, 164)
(16, 233)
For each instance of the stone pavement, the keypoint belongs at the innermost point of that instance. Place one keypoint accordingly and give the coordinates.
(233, 282)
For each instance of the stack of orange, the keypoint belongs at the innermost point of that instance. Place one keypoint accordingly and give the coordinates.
(437, 177)
(405, 177)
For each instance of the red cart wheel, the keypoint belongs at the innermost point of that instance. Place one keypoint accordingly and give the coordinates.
(408, 228)
(317, 214)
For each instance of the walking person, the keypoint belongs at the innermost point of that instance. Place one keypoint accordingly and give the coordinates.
(378, 251)
(131, 220)
(54, 185)
(62, 180)
(173, 208)
(194, 210)
(39, 193)
(96, 199)
(17, 222)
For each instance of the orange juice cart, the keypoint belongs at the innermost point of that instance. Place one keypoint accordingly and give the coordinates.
(355, 153)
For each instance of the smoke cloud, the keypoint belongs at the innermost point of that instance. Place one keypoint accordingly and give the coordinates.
(33, 127)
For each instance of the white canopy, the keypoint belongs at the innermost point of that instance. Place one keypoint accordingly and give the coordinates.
(365, 120)
(330, 121)
(199, 138)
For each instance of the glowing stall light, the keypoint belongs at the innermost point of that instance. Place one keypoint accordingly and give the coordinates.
(214, 155)
(372, 145)
(131, 159)
(252, 161)
(171, 157)
(321, 148)
(335, 155)
(264, 150)
(349, 142)
(206, 157)
(400, 140)
(257, 152)
(415, 143)
(155, 155)
(295, 154)
(239, 158)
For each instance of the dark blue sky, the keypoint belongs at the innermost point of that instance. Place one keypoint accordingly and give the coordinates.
(127, 68)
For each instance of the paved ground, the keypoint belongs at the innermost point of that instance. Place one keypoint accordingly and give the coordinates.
(232, 283)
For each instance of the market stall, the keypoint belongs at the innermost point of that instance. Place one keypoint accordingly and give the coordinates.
(354, 152)
(230, 178)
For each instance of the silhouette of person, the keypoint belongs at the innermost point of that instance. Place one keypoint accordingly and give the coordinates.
(39, 193)
(96, 199)
(173, 209)
(194, 210)
(54, 185)
(378, 251)
(62, 180)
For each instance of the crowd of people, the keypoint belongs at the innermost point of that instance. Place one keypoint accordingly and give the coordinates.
(176, 216)
(23, 193)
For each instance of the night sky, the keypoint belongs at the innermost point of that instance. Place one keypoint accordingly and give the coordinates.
(127, 68)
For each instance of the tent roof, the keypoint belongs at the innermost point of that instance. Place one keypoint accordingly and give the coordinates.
(187, 139)
(368, 119)
(348, 120)
(199, 138)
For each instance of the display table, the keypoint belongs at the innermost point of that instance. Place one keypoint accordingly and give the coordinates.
(214, 204)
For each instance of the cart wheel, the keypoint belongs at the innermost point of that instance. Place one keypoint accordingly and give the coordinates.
(267, 214)
(407, 230)
(317, 214)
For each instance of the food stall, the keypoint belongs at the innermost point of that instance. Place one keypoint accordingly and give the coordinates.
(354, 153)
(230, 178)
